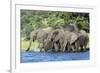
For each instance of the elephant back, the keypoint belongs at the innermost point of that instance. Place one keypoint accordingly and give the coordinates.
(70, 27)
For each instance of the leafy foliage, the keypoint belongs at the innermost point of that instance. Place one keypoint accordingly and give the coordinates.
(34, 19)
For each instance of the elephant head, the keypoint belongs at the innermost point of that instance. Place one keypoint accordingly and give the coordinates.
(57, 39)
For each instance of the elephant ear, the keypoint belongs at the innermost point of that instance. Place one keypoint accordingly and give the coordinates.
(74, 37)
(59, 33)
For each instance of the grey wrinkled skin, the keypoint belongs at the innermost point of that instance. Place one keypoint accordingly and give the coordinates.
(82, 41)
(40, 35)
(60, 39)
(55, 40)
(70, 38)
(75, 40)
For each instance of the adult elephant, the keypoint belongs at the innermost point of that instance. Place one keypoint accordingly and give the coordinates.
(55, 40)
(70, 39)
(40, 35)
(82, 41)
(33, 37)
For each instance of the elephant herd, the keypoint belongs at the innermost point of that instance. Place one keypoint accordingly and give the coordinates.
(67, 38)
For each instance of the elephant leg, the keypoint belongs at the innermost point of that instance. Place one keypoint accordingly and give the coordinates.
(77, 46)
(55, 47)
(63, 48)
(43, 48)
(73, 48)
(84, 48)
(50, 48)
(63, 43)
(81, 47)
(68, 47)
(29, 44)
(40, 46)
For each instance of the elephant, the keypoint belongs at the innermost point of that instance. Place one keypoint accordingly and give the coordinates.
(82, 41)
(70, 38)
(33, 37)
(58, 38)
(40, 35)
(55, 40)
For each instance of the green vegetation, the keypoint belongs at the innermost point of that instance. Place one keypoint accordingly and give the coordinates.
(34, 19)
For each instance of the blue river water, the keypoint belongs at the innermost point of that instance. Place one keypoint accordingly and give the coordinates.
(26, 57)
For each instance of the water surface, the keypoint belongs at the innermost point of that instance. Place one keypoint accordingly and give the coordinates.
(30, 56)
